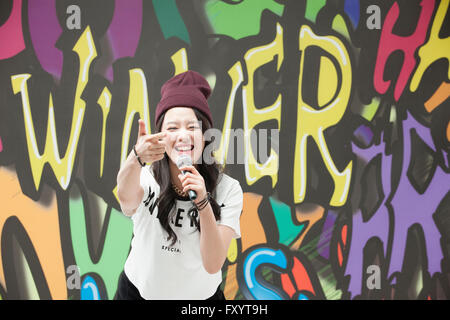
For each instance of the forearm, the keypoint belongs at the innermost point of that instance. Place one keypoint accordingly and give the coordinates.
(211, 244)
(129, 190)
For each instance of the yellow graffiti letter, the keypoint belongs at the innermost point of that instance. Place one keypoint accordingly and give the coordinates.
(312, 122)
(104, 101)
(255, 58)
(180, 62)
(62, 168)
(137, 103)
(436, 48)
(237, 78)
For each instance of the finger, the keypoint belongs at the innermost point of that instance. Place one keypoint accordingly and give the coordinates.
(157, 136)
(150, 153)
(187, 168)
(189, 182)
(152, 138)
(193, 187)
(157, 154)
(156, 148)
(149, 145)
(187, 175)
(159, 145)
(194, 170)
(185, 179)
(182, 177)
(142, 130)
(157, 157)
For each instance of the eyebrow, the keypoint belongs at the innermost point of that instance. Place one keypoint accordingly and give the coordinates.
(176, 122)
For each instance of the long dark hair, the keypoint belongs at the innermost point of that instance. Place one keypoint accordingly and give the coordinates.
(167, 196)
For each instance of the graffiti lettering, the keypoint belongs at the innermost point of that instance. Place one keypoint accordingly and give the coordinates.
(390, 42)
(333, 115)
(433, 49)
(11, 32)
(313, 123)
(254, 58)
(62, 168)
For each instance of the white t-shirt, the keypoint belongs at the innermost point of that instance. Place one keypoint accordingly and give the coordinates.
(164, 272)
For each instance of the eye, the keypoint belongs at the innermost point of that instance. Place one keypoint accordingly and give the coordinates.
(194, 126)
(171, 128)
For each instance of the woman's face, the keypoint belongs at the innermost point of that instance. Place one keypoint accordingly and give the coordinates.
(184, 134)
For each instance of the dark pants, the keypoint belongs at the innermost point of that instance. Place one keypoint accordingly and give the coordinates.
(127, 291)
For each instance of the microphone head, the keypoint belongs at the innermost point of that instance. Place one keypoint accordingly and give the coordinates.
(184, 160)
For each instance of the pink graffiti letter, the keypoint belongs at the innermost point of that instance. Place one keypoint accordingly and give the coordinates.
(390, 42)
(11, 33)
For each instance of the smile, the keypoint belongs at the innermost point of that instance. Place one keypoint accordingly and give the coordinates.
(184, 148)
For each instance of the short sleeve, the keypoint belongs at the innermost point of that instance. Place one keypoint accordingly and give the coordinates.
(231, 208)
(150, 186)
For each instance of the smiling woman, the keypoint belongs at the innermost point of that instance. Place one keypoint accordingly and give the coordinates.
(179, 245)
(183, 133)
(178, 137)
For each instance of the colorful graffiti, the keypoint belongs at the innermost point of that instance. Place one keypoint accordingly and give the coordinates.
(354, 202)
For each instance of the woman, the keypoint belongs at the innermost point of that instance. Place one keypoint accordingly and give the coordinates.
(179, 245)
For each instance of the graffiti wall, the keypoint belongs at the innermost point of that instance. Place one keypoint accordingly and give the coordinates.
(351, 201)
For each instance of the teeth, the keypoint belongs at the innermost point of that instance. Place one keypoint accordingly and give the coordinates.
(184, 148)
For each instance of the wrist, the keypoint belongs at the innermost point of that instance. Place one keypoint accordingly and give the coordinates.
(203, 203)
(131, 161)
(138, 159)
(200, 198)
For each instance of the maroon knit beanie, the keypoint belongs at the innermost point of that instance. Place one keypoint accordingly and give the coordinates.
(187, 89)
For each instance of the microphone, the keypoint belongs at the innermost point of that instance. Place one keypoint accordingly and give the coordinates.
(185, 160)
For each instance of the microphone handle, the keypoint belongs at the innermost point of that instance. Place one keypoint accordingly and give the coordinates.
(192, 194)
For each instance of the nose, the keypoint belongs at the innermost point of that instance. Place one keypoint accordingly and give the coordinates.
(184, 135)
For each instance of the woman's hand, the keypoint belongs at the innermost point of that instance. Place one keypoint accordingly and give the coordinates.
(193, 180)
(150, 147)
